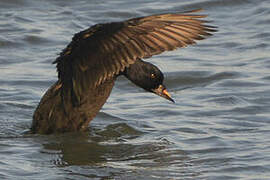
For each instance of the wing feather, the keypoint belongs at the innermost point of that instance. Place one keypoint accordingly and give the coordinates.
(102, 51)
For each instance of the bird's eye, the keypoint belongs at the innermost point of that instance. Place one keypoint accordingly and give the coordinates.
(153, 75)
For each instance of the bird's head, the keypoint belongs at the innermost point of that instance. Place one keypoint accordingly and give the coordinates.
(148, 77)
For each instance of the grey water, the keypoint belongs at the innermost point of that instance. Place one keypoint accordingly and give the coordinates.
(219, 127)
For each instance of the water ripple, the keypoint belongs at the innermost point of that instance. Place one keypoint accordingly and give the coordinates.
(217, 129)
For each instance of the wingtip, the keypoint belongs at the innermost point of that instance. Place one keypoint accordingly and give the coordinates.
(194, 10)
(191, 14)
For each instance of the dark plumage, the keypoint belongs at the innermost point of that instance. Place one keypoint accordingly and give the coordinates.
(89, 65)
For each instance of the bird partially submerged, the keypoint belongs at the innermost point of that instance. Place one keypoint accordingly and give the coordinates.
(89, 65)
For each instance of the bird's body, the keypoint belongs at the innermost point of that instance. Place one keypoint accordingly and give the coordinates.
(89, 65)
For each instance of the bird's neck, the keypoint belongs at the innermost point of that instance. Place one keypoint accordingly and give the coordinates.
(134, 71)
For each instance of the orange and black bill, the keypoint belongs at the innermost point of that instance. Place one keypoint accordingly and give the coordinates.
(162, 91)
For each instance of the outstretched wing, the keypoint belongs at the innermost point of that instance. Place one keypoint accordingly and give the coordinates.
(104, 50)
